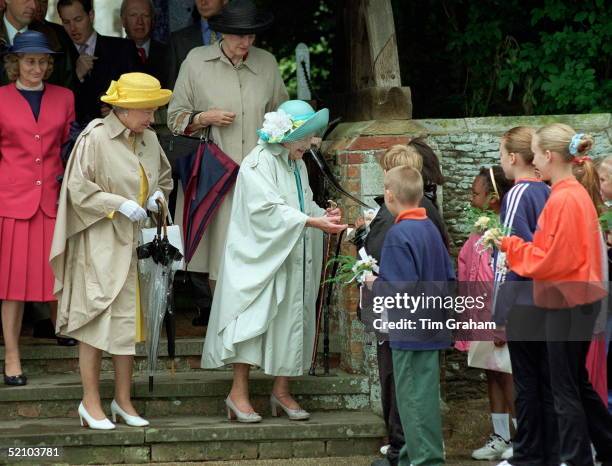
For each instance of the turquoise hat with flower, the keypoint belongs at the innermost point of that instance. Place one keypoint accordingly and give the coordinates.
(292, 121)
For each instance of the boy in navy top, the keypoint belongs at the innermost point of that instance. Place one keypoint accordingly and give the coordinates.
(414, 252)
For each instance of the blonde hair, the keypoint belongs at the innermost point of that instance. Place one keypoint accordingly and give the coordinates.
(557, 137)
(518, 141)
(11, 66)
(406, 184)
(605, 166)
(399, 155)
(586, 173)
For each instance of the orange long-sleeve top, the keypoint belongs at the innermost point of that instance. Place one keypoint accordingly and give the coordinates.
(565, 258)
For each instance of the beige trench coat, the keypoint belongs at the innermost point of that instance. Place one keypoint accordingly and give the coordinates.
(209, 80)
(93, 256)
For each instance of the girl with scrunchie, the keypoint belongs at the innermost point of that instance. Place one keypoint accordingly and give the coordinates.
(566, 262)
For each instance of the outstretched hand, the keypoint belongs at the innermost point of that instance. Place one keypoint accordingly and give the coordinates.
(328, 224)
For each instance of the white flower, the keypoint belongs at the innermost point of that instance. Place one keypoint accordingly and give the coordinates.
(482, 223)
(277, 124)
(368, 215)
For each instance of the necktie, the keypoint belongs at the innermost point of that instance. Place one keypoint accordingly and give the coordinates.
(142, 53)
(82, 49)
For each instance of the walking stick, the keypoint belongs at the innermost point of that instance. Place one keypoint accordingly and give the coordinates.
(313, 361)
(326, 315)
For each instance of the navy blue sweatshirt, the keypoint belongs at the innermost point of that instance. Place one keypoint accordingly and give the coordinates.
(413, 251)
(520, 210)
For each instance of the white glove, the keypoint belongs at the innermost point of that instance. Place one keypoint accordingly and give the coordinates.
(151, 204)
(133, 211)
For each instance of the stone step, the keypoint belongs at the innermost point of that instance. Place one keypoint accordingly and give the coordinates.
(49, 358)
(196, 438)
(202, 393)
(46, 358)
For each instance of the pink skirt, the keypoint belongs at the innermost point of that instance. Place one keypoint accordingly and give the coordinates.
(25, 245)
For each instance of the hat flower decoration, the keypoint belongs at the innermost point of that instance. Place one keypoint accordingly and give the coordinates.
(292, 121)
(277, 125)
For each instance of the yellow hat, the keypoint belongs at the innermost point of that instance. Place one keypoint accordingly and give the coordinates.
(136, 90)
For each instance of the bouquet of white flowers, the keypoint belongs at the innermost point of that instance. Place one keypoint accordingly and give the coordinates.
(351, 269)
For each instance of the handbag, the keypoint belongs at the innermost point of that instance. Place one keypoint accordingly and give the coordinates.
(485, 355)
(169, 230)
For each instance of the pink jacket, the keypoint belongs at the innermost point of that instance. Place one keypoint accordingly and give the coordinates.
(475, 277)
(30, 161)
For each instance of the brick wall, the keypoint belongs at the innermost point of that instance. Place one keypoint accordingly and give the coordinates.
(463, 146)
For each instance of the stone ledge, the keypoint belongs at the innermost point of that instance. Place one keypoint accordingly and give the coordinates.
(184, 384)
(184, 347)
(67, 432)
(336, 425)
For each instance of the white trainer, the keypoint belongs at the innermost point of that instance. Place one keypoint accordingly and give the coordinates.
(493, 449)
(507, 454)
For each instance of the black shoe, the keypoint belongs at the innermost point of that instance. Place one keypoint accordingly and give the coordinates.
(66, 341)
(15, 380)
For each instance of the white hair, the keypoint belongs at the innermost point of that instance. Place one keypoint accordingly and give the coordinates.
(124, 6)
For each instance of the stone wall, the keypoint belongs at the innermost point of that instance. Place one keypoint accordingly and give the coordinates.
(463, 146)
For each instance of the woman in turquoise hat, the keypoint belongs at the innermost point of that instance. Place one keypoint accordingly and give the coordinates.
(263, 311)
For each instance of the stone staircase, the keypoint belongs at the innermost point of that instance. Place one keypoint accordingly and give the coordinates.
(186, 410)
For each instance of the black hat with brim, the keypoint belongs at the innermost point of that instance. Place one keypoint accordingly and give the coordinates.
(241, 17)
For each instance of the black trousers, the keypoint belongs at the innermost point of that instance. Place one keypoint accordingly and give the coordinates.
(582, 416)
(536, 440)
(389, 402)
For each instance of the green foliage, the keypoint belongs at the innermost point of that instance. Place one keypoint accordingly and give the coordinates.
(606, 220)
(310, 22)
(552, 58)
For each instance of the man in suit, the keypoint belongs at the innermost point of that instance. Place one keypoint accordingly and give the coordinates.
(138, 17)
(196, 35)
(19, 16)
(97, 59)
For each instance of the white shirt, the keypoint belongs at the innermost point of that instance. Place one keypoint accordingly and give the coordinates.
(11, 31)
(146, 46)
(90, 43)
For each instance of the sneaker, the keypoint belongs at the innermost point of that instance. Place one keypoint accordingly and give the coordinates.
(507, 454)
(384, 449)
(492, 450)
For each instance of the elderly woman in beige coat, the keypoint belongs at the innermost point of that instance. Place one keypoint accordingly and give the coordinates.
(117, 169)
(227, 87)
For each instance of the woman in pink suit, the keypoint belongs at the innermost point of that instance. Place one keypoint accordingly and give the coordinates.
(34, 122)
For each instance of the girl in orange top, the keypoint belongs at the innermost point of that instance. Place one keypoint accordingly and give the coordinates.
(565, 261)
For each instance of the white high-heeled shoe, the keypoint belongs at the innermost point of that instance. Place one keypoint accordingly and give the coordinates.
(88, 421)
(133, 421)
(234, 413)
(293, 414)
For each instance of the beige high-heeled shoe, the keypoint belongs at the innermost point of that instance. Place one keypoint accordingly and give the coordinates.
(234, 414)
(293, 414)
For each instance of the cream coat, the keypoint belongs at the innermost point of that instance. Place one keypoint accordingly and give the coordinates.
(92, 255)
(264, 305)
(209, 80)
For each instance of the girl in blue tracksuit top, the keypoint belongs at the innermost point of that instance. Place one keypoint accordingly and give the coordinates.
(535, 440)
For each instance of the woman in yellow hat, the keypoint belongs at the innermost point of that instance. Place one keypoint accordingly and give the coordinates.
(115, 173)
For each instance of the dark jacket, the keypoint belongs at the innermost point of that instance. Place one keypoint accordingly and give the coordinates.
(385, 220)
(157, 62)
(115, 56)
(181, 43)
